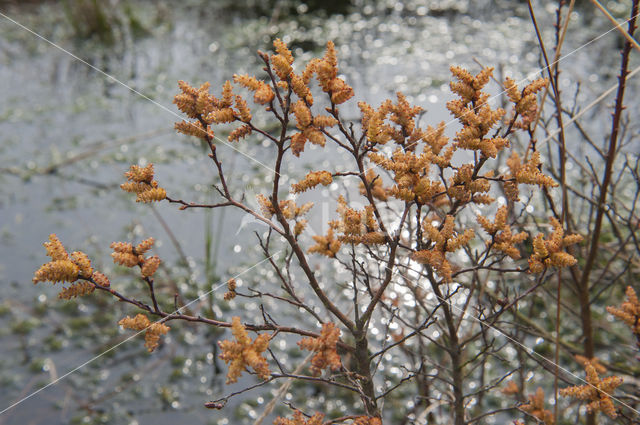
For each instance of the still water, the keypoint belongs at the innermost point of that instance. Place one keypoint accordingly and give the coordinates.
(68, 132)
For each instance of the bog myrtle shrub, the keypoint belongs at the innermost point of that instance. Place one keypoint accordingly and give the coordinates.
(435, 255)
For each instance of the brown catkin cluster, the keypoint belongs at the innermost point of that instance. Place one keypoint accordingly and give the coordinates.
(327, 73)
(150, 265)
(127, 255)
(57, 271)
(549, 252)
(239, 133)
(503, 238)
(300, 419)
(325, 245)
(243, 352)
(312, 180)
(443, 240)
(324, 346)
(194, 128)
(289, 210)
(411, 175)
(153, 329)
(206, 109)
(77, 289)
(466, 186)
(124, 254)
(374, 181)
(309, 131)
(435, 142)
(299, 227)
(474, 113)
(55, 249)
(140, 181)
(266, 207)
(100, 279)
(263, 94)
(144, 246)
(597, 391)
(283, 60)
(391, 122)
(63, 267)
(231, 290)
(152, 336)
(83, 262)
(528, 173)
(629, 312)
(525, 101)
(194, 103)
(310, 127)
(594, 361)
(358, 226)
(535, 407)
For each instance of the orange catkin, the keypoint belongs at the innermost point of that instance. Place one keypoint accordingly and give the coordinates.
(243, 352)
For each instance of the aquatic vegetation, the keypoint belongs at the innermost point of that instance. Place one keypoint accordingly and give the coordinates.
(415, 248)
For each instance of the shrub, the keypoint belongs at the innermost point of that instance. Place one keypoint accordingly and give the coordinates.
(420, 282)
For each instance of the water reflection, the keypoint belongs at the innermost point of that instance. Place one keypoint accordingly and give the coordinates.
(68, 133)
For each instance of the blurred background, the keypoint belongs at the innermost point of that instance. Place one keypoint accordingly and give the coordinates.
(68, 133)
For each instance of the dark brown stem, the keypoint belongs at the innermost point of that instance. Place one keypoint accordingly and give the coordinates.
(388, 273)
(152, 294)
(177, 315)
(363, 368)
(289, 236)
(584, 287)
(455, 353)
(315, 379)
